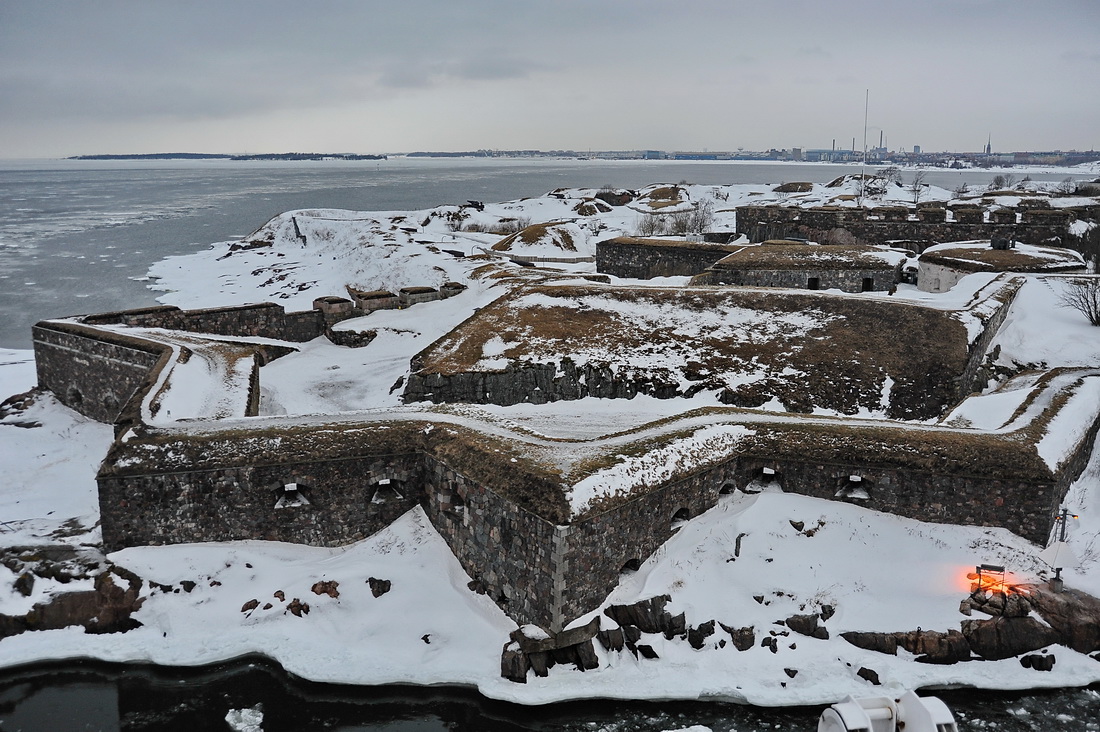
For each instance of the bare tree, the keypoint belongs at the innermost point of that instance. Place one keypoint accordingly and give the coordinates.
(1067, 186)
(961, 190)
(916, 188)
(892, 174)
(1083, 295)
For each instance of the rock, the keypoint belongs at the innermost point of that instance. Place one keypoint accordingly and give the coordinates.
(24, 584)
(549, 642)
(267, 606)
(378, 587)
(759, 599)
(648, 615)
(807, 625)
(798, 525)
(540, 663)
(869, 675)
(514, 664)
(647, 651)
(1075, 615)
(250, 606)
(827, 611)
(12, 625)
(879, 642)
(697, 637)
(1038, 662)
(965, 607)
(188, 585)
(632, 634)
(611, 640)
(743, 638)
(934, 647)
(586, 656)
(327, 587)
(280, 596)
(1007, 637)
(298, 608)
(770, 642)
(676, 625)
(791, 672)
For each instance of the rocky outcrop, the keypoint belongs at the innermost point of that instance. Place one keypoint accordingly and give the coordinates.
(808, 625)
(999, 638)
(1073, 614)
(928, 645)
(107, 608)
(649, 616)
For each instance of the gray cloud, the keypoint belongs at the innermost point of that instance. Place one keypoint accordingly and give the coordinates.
(794, 73)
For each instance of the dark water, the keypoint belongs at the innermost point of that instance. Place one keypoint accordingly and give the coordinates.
(94, 696)
(76, 236)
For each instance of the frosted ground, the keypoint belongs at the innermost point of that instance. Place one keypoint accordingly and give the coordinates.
(881, 572)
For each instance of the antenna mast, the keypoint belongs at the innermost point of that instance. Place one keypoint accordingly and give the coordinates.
(863, 164)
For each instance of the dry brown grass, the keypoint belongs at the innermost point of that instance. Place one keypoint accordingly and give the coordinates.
(841, 363)
(1001, 260)
(795, 255)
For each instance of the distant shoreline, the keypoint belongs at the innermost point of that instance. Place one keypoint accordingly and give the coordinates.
(217, 156)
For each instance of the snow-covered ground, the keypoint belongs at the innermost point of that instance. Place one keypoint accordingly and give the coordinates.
(881, 572)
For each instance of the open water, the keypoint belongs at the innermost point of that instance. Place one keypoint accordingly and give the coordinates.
(79, 236)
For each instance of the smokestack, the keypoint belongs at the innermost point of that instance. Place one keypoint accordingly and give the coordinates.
(834, 144)
(880, 138)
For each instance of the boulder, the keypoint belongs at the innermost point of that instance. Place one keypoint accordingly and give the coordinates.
(879, 642)
(648, 615)
(869, 675)
(697, 637)
(1075, 615)
(514, 664)
(1044, 662)
(807, 625)
(611, 640)
(378, 587)
(999, 638)
(743, 638)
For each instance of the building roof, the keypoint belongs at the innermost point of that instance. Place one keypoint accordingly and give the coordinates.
(979, 256)
(792, 255)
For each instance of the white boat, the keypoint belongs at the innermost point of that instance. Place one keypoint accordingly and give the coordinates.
(908, 712)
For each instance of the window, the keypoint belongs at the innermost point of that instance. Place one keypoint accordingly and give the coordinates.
(868, 284)
(854, 487)
(814, 283)
(292, 495)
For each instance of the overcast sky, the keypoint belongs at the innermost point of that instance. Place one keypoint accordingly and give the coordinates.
(380, 77)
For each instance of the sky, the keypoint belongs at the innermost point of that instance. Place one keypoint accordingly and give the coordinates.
(140, 76)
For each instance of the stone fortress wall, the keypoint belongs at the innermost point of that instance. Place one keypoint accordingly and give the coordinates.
(911, 228)
(917, 228)
(540, 570)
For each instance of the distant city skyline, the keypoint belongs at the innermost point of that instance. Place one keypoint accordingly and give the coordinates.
(375, 78)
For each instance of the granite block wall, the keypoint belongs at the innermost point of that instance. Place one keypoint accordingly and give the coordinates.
(1019, 506)
(853, 226)
(624, 258)
(89, 373)
(344, 501)
(507, 551)
(601, 547)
